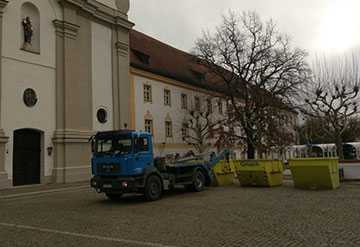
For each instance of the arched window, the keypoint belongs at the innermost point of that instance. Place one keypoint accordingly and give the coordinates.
(30, 27)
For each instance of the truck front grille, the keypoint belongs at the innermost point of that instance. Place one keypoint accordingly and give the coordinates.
(108, 168)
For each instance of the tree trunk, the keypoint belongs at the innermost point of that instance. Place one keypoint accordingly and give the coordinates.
(250, 151)
(339, 147)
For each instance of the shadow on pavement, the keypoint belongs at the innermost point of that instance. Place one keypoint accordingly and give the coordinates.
(139, 198)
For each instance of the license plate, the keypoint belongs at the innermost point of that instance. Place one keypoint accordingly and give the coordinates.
(107, 186)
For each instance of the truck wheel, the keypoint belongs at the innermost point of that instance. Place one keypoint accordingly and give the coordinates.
(198, 181)
(114, 197)
(153, 188)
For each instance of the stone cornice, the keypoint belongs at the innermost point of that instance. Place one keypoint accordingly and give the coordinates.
(122, 48)
(72, 136)
(3, 4)
(102, 12)
(3, 137)
(66, 29)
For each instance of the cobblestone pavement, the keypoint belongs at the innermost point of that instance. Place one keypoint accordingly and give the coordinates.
(230, 216)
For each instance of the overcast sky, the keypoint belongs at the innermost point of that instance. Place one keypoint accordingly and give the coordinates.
(330, 26)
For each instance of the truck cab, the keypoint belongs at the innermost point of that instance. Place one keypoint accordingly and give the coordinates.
(123, 162)
(123, 153)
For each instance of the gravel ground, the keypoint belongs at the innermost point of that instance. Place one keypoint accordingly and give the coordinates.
(228, 216)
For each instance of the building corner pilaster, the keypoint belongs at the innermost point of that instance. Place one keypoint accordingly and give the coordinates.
(66, 143)
(4, 180)
(66, 35)
(121, 82)
(73, 127)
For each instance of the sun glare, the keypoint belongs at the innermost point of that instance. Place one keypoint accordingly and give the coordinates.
(339, 28)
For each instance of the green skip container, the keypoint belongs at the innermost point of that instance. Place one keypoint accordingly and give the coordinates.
(315, 173)
(262, 173)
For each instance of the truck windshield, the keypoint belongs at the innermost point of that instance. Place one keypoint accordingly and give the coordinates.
(118, 145)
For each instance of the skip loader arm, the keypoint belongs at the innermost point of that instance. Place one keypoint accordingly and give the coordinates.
(221, 156)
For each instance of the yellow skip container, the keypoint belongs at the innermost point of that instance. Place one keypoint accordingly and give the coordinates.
(264, 173)
(224, 173)
(315, 173)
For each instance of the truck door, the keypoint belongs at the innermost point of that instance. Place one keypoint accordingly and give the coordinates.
(143, 156)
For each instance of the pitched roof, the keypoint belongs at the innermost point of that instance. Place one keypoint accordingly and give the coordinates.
(154, 56)
(151, 55)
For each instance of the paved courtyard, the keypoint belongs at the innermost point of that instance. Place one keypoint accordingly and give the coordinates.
(230, 216)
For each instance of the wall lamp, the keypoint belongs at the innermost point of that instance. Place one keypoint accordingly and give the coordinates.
(49, 150)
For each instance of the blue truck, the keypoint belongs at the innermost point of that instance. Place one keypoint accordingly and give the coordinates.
(123, 162)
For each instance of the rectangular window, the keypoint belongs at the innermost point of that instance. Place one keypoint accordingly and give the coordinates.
(197, 103)
(168, 129)
(147, 93)
(142, 144)
(123, 146)
(167, 97)
(184, 104)
(209, 106)
(149, 126)
(220, 106)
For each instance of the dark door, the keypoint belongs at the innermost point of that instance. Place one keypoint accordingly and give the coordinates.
(26, 158)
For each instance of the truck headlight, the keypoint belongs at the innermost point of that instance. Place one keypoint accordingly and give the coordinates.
(124, 184)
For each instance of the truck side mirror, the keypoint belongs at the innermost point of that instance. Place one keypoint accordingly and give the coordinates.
(136, 148)
(92, 143)
(93, 148)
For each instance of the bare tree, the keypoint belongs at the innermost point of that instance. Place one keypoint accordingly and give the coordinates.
(352, 132)
(202, 124)
(334, 97)
(262, 71)
(315, 130)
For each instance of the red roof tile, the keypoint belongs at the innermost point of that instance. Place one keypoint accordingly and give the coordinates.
(159, 58)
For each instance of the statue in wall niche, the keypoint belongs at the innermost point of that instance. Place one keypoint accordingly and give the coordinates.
(28, 32)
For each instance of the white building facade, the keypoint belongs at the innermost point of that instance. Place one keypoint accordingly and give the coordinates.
(167, 84)
(64, 75)
(165, 119)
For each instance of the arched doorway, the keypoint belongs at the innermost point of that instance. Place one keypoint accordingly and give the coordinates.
(26, 157)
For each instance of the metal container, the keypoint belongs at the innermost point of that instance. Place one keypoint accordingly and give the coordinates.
(263, 173)
(315, 173)
(224, 173)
